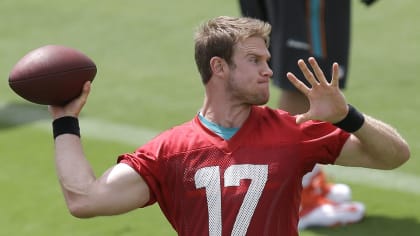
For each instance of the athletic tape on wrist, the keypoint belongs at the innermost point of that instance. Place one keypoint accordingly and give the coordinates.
(66, 125)
(352, 122)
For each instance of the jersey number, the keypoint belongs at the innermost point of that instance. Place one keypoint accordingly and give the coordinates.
(209, 178)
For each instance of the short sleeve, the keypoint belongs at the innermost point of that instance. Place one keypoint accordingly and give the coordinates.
(322, 142)
(146, 166)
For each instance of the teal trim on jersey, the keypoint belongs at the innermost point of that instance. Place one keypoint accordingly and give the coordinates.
(315, 6)
(225, 133)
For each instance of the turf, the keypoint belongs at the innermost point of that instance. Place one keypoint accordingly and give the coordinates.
(147, 79)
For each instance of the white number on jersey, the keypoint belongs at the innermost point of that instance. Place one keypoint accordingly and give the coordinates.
(209, 178)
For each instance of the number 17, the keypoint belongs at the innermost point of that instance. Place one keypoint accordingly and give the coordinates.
(209, 178)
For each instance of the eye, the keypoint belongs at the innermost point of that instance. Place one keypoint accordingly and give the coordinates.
(254, 59)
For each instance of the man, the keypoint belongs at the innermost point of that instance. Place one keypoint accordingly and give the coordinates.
(235, 168)
(302, 29)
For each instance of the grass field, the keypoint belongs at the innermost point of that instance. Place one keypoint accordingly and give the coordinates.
(147, 82)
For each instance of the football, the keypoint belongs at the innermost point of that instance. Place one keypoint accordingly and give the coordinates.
(51, 75)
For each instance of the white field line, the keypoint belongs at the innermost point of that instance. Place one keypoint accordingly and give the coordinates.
(389, 179)
(136, 136)
(125, 134)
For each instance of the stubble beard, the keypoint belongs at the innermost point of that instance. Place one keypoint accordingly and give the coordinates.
(248, 97)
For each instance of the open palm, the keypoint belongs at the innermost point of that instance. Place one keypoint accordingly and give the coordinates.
(327, 102)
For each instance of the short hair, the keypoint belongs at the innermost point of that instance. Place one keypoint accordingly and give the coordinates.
(218, 36)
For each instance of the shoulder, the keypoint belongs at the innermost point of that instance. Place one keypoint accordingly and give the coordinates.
(265, 111)
(272, 116)
(178, 139)
(279, 119)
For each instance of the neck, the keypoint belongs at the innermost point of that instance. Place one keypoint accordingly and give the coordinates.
(226, 115)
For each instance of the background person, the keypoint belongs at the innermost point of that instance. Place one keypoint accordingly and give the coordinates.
(302, 29)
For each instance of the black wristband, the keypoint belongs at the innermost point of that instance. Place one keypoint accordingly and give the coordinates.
(66, 125)
(352, 122)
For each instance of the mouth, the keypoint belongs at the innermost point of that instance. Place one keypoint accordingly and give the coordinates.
(264, 80)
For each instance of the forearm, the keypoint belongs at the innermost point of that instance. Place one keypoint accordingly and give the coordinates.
(119, 190)
(74, 172)
(383, 145)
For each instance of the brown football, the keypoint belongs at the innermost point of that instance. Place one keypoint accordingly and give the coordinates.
(51, 75)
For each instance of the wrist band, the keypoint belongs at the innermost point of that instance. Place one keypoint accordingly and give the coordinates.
(352, 122)
(66, 125)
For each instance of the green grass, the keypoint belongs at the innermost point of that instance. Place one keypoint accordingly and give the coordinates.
(384, 217)
(147, 78)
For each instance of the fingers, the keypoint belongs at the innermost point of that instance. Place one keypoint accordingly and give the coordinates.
(297, 83)
(318, 71)
(74, 107)
(318, 77)
(313, 80)
(85, 92)
(322, 95)
(307, 73)
(335, 75)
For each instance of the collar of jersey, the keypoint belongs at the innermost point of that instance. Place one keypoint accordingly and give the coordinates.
(224, 132)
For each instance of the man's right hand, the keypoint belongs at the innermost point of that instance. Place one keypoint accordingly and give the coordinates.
(72, 108)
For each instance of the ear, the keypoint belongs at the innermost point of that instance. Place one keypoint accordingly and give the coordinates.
(218, 66)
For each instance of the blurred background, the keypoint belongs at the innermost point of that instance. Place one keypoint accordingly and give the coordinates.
(147, 82)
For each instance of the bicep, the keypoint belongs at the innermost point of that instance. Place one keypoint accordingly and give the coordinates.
(375, 145)
(353, 154)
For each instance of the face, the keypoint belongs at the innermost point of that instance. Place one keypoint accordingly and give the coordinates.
(249, 77)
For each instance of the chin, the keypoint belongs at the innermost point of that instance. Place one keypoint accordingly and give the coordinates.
(261, 101)
(265, 99)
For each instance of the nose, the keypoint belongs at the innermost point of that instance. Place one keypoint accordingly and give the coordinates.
(267, 71)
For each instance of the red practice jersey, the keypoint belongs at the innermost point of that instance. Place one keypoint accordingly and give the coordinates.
(248, 185)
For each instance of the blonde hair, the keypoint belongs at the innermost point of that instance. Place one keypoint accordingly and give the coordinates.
(218, 36)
